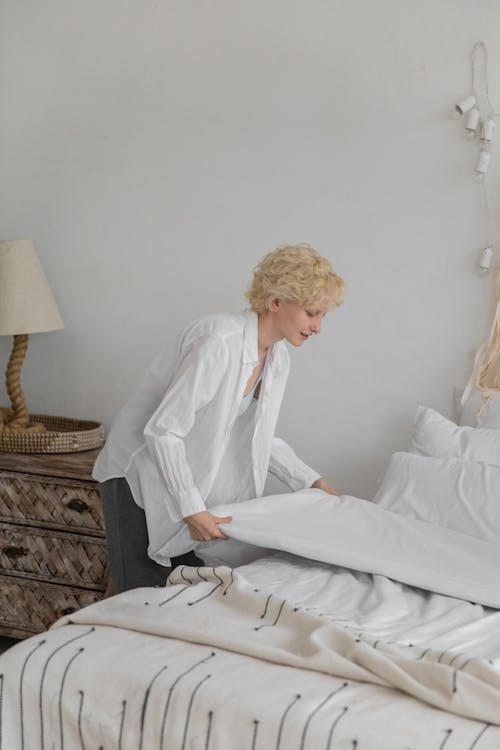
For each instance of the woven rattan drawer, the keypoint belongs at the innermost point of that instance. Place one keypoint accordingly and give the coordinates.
(29, 607)
(50, 502)
(58, 556)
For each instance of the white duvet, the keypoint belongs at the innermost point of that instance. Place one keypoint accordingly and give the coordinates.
(358, 534)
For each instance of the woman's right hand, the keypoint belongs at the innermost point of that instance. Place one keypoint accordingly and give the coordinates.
(204, 526)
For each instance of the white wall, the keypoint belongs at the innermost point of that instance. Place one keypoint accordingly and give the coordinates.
(155, 149)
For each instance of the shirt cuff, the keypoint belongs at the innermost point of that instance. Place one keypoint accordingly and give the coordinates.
(313, 477)
(187, 502)
(303, 478)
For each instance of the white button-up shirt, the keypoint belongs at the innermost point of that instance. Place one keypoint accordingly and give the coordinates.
(169, 439)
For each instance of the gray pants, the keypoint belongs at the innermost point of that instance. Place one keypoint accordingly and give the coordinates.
(127, 540)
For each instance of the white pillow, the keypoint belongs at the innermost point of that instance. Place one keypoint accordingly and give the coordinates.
(461, 495)
(434, 435)
(478, 414)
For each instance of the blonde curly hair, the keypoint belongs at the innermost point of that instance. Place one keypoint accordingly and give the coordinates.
(294, 273)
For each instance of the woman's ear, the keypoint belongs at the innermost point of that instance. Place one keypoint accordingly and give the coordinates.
(274, 304)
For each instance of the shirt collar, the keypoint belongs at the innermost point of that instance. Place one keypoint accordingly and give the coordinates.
(251, 334)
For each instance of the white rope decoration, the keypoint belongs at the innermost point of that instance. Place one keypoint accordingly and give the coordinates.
(481, 46)
(485, 206)
(479, 119)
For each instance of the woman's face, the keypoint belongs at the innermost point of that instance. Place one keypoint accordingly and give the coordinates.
(296, 323)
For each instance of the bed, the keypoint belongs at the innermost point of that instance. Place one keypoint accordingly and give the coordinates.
(362, 625)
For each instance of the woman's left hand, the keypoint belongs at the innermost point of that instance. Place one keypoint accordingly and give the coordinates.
(320, 484)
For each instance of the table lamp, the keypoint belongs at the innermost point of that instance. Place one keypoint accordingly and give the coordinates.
(26, 306)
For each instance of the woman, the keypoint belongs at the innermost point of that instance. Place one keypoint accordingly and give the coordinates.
(199, 432)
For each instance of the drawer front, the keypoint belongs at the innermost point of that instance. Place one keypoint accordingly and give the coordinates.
(51, 502)
(29, 607)
(58, 557)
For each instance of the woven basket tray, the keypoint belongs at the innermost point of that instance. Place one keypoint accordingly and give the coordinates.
(63, 435)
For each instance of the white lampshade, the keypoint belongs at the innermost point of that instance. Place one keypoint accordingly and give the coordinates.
(27, 304)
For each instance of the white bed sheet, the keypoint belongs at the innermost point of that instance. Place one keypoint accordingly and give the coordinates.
(378, 607)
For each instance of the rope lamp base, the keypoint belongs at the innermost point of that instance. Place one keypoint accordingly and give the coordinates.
(20, 433)
(6, 426)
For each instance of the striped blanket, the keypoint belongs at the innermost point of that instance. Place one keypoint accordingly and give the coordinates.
(210, 663)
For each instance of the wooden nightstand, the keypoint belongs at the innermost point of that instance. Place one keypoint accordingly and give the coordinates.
(53, 557)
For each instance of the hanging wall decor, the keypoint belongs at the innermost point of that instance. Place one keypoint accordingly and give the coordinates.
(479, 123)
